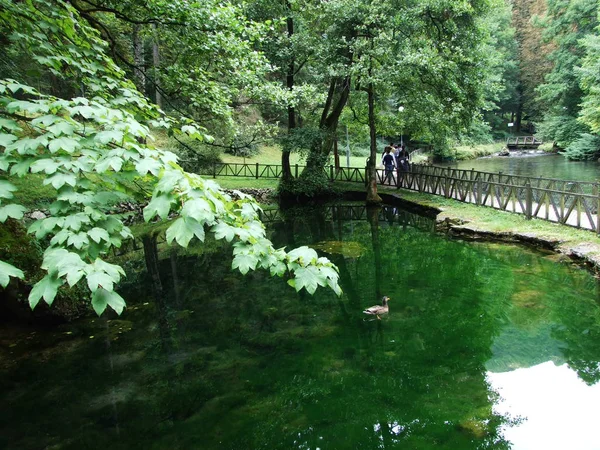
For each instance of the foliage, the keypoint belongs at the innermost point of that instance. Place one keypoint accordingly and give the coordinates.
(194, 155)
(586, 146)
(88, 145)
(589, 74)
(566, 26)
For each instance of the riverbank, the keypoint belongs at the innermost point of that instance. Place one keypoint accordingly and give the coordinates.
(465, 221)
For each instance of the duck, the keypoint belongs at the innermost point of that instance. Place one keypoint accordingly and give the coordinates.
(378, 310)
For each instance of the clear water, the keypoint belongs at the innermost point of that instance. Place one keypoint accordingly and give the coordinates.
(548, 166)
(485, 346)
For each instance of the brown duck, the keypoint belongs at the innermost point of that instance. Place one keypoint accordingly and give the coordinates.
(378, 310)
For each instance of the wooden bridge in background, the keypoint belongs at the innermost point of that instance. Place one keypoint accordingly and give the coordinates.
(522, 143)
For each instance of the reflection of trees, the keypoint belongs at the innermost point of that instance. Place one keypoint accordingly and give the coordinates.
(252, 365)
(551, 309)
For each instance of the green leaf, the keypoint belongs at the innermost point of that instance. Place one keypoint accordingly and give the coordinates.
(13, 211)
(224, 231)
(111, 269)
(183, 230)
(278, 268)
(103, 298)
(100, 279)
(98, 234)
(46, 165)
(46, 288)
(78, 240)
(72, 266)
(75, 221)
(303, 255)
(309, 278)
(114, 162)
(199, 210)
(6, 189)
(21, 168)
(148, 165)
(7, 271)
(63, 143)
(23, 146)
(159, 205)
(62, 128)
(58, 180)
(168, 181)
(104, 137)
(9, 124)
(7, 139)
(244, 262)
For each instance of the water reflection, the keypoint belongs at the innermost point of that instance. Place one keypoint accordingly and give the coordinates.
(223, 361)
(560, 410)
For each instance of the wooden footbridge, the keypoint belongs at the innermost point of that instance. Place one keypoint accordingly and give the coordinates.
(572, 203)
(523, 143)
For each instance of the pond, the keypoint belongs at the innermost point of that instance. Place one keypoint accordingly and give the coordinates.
(485, 346)
(547, 166)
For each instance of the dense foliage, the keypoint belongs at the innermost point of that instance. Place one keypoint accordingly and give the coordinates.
(94, 148)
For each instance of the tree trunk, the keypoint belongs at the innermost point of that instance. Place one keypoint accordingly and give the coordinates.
(139, 59)
(156, 62)
(286, 170)
(339, 90)
(372, 195)
(151, 257)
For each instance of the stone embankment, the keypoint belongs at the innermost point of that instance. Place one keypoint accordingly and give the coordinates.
(587, 253)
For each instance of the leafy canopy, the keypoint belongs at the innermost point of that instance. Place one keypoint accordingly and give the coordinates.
(88, 145)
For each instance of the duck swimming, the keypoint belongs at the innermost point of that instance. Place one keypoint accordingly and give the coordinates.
(378, 310)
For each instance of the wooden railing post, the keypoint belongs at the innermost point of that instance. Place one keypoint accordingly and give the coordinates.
(447, 186)
(296, 170)
(257, 171)
(478, 194)
(214, 170)
(331, 172)
(528, 200)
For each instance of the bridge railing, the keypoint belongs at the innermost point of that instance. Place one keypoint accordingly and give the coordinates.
(573, 203)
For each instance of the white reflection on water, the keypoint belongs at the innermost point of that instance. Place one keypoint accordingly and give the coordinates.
(560, 410)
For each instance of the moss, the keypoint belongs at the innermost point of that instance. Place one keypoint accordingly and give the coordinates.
(25, 252)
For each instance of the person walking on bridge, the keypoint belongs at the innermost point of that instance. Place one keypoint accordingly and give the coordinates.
(389, 162)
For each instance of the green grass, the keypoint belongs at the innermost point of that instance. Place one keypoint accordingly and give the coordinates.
(465, 152)
(272, 155)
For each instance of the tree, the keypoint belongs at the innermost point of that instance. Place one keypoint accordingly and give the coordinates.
(566, 26)
(89, 145)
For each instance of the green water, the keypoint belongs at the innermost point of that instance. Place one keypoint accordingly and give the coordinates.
(548, 166)
(223, 361)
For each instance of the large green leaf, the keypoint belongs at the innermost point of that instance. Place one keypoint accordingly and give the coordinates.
(46, 288)
(58, 180)
(244, 262)
(183, 230)
(98, 234)
(198, 209)
(158, 206)
(7, 271)
(102, 298)
(309, 278)
(13, 211)
(303, 255)
(104, 137)
(6, 189)
(224, 231)
(7, 139)
(63, 143)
